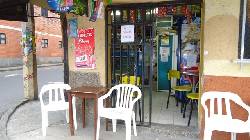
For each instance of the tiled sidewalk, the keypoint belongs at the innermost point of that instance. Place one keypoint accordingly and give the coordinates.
(25, 124)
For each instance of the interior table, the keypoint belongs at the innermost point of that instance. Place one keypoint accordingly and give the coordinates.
(192, 75)
(85, 92)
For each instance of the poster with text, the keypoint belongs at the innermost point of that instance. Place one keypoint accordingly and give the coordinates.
(72, 27)
(61, 5)
(127, 33)
(85, 48)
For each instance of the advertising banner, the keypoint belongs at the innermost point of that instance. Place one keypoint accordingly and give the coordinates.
(61, 5)
(85, 48)
(72, 27)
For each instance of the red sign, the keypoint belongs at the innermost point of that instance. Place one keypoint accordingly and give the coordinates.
(85, 49)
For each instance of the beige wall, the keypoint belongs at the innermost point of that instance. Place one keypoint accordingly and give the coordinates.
(99, 26)
(221, 39)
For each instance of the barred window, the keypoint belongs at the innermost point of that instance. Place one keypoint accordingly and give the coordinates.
(2, 38)
(45, 43)
(44, 12)
(60, 44)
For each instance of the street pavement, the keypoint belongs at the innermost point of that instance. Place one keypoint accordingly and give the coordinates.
(11, 84)
(11, 89)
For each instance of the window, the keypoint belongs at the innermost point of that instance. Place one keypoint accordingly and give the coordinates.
(60, 44)
(44, 12)
(2, 38)
(45, 43)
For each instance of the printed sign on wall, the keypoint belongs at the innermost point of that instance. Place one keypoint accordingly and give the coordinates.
(72, 27)
(85, 48)
(127, 33)
(61, 5)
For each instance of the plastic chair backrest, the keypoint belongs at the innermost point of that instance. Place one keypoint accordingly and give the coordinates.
(219, 96)
(174, 74)
(125, 95)
(54, 90)
(133, 81)
(125, 79)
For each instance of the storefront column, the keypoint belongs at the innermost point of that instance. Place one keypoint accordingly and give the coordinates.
(29, 56)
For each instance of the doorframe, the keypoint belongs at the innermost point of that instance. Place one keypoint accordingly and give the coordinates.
(151, 6)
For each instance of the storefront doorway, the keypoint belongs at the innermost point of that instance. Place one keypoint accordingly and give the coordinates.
(144, 42)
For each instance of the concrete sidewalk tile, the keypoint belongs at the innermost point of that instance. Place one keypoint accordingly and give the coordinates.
(25, 124)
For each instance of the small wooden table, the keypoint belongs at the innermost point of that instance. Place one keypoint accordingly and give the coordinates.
(85, 92)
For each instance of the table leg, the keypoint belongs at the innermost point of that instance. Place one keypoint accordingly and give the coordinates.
(95, 115)
(83, 112)
(107, 105)
(71, 124)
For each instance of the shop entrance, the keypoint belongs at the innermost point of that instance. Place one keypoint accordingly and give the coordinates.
(144, 42)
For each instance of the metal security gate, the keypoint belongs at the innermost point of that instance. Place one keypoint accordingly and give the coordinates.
(135, 58)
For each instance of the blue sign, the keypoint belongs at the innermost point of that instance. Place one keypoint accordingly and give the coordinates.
(61, 5)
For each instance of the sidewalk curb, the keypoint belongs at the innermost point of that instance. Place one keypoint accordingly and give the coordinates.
(21, 67)
(6, 116)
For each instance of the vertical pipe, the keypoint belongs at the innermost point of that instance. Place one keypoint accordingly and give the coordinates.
(243, 34)
(106, 47)
(128, 57)
(143, 67)
(151, 73)
(179, 43)
(113, 47)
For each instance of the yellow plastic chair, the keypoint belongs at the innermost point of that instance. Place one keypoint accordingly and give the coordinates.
(131, 80)
(125, 79)
(192, 98)
(182, 89)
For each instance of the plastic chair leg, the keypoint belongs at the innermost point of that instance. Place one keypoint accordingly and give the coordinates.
(67, 115)
(207, 134)
(98, 128)
(44, 122)
(74, 112)
(128, 129)
(134, 124)
(233, 136)
(114, 125)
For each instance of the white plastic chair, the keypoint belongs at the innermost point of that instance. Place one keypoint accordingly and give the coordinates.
(220, 121)
(125, 100)
(56, 102)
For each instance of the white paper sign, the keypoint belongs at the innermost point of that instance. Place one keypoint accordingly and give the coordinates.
(127, 33)
(165, 53)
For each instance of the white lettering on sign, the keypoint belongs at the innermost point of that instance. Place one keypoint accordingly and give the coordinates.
(127, 33)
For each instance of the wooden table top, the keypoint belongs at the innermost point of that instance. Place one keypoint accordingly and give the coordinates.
(88, 90)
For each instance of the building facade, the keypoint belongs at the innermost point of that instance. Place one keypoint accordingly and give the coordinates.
(220, 69)
(49, 46)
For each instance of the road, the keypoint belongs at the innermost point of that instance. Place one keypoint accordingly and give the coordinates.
(11, 83)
